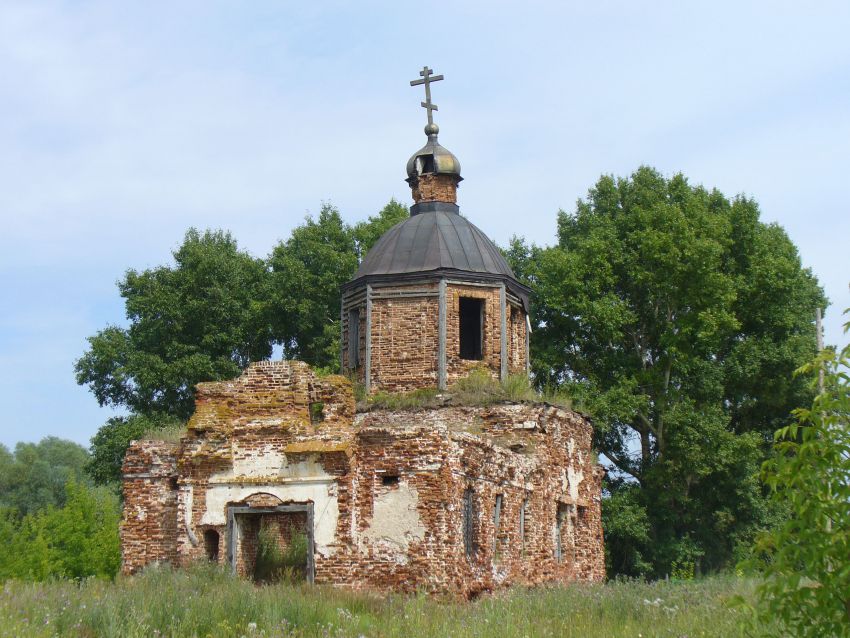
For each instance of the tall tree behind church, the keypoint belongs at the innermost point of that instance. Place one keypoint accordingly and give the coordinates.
(676, 318)
(211, 313)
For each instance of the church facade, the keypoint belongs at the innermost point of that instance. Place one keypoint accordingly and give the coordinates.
(457, 499)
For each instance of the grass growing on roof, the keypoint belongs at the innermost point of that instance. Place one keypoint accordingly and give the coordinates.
(478, 388)
(171, 433)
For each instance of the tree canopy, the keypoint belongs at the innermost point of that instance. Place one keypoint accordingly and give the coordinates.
(204, 318)
(676, 318)
(307, 272)
(211, 313)
(33, 477)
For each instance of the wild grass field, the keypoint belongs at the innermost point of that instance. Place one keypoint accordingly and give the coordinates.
(206, 601)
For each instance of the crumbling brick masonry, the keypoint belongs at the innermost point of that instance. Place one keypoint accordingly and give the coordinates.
(452, 499)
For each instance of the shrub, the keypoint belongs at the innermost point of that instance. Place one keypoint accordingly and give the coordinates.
(273, 565)
(806, 585)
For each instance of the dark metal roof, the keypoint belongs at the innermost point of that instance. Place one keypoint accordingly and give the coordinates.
(436, 239)
(431, 240)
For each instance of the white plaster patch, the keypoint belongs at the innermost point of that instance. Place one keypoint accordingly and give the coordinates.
(310, 483)
(325, 506)
(575, 477)
(265, 461)
(395, 520)
(269, 461)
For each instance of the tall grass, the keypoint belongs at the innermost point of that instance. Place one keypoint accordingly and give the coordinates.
(274, 565)
(170, 433)
(207, 601)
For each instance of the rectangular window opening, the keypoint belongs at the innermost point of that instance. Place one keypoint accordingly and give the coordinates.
(522, 518)
(353, 339)
(317, 412)
(469, 522)
(471, 315)
(497, 515)
(389, 479)
(564, 541)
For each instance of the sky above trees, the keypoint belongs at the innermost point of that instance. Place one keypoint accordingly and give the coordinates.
(123, 124)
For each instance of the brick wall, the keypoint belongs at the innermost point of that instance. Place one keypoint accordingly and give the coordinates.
(404, 343)
(387, 487)
(517, 328)
(405, 336)
(149, 522)
(447, 452)
(433, 187)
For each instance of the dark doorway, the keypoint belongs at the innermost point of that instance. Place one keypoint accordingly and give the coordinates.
(271, 544)
(211, 540)
(471, 313)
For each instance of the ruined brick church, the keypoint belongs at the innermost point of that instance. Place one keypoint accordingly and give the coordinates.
(455, 499)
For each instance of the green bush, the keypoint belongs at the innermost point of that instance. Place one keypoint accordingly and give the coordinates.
(273, 565)
(806, 559)
(75, 541)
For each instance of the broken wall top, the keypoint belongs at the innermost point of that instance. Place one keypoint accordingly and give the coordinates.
(275, 395)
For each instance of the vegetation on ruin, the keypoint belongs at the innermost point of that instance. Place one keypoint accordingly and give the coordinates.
(273, 564)
(208, 601)
(478, 388)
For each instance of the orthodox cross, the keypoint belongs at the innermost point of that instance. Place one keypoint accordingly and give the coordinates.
(427, 78)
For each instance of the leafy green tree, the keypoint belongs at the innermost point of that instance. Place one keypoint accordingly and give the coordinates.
(627, 528)
(213, 312)
(368, 232)
(676, 318)
(77, 540)
(109, 444)
(806, 577)
(203, 319)
(307, 271)
(83, 536)
(34, 476)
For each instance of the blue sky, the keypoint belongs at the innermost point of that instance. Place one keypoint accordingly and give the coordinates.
(122, 124)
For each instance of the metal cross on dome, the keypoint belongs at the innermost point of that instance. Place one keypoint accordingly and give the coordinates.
(427, 78)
